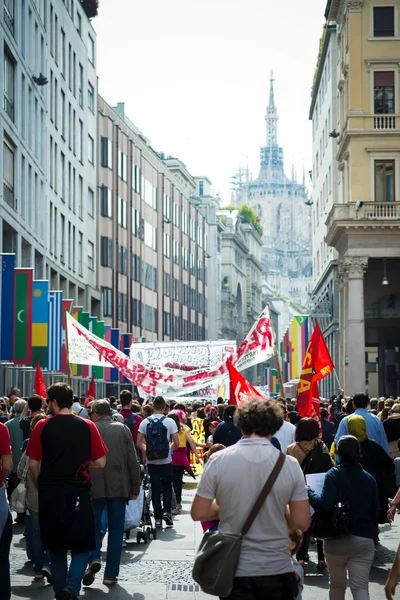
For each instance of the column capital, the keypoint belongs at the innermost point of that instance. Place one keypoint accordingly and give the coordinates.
(355, 5)
(353, 267)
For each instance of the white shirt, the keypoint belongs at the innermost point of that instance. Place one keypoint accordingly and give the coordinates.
(285, 435)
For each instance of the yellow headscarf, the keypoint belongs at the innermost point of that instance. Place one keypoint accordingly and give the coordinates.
(357, 426)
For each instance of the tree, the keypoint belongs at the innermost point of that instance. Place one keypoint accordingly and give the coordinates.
(248, 215)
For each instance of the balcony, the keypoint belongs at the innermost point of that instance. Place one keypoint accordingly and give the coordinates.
(361, 217)
(385, 122)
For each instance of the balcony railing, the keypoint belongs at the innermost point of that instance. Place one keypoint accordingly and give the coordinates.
(347, 216)
(385, 122)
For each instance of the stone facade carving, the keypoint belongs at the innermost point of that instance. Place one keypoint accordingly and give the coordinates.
(355, 5)
(353, 267)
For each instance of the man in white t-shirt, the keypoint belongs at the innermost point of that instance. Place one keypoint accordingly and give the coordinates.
(285, 435)
(231, 483)
(160, 469)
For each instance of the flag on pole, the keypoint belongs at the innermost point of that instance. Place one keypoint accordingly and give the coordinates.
(107, 338)
(76, 310)
(90, 393)
(22, 349)
(40, 386)
(114, 375)
(240, 389)
(40, 319)
(98, 329)
(54, 344)
(66, 307)
(317, 365)
(7, 264)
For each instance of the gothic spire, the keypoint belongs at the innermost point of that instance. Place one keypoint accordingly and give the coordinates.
(272, 115)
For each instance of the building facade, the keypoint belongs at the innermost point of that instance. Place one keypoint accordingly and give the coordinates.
(364, 225)
(325, 125)
(280, 202)
(153, 238)
(48, 130)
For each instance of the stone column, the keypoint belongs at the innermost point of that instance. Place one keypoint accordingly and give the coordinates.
(341, 278)
(354, 267)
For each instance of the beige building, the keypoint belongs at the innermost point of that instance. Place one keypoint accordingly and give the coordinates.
(363, 225)
(152, 237)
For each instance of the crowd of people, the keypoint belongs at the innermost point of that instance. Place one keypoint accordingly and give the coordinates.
(74, 465)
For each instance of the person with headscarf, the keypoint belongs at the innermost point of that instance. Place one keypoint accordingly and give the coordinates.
(376, 462)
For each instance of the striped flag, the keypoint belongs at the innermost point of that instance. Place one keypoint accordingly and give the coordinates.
(7, 264)
(76, 310)
(66, 307)
(98, 329)
(84, 320)
(125, 346)
(114, 376)
(40, 319)
(54, 362)
(107, 337)
(22, 349)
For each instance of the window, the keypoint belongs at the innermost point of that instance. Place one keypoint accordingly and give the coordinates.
(91, 49)
(122, 260)
(106, 152)
(384, 181)
(63, 55)
(384, 21)
(167, 245)
(9, 14)
(80, 141)
(166, 207)
(176, 214)
(154, 279)
(150, 235)
(176, 289)
(8, 101)
(91, 255)
(176, 252)
(167, 285)
(8, 174)
(136, 223)
(122, 213)
(137, 179)
(150, 194)
(80, 91)
(91, 149)
(62, 114)
(201, 188)
(80, 254)
(106, 251)
(106, 202)
(135, 267)
(167, 323)
(107, 301)
(90, 202)
(148, 318)
(135, 312)
(122, 307)
(79, 23)
(91, 97)
(383, 92)
(176, 328)
(62, 227)
(122, 166)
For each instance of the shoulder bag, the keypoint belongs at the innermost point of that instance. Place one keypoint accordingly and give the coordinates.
(335, 523)
(217, 557)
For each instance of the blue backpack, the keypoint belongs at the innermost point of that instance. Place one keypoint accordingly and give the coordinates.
(157, 443)
(130, 421)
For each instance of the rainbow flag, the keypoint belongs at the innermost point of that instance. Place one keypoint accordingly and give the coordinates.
(40, 322)
(273, 383)
(293, 347)
(22, 347)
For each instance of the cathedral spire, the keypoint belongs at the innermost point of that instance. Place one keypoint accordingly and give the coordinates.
(272, 115)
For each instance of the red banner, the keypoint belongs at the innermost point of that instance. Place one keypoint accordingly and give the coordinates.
(241, 389)
(39, 385)
(90, 392)
(317, 365)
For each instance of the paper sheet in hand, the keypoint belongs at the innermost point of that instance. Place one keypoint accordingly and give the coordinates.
(316, 483)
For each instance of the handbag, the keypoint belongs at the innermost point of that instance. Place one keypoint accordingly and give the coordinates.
(18, 496)
(335, 523)
(217, 557)
(134, 511)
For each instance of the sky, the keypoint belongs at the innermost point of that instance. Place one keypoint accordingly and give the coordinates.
(194, 76)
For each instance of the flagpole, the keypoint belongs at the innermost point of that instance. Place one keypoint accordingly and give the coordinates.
(67, 348)
(276, 356)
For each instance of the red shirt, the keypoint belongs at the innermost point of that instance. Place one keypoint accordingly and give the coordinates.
(5, 446)
(65, 444)
(126, 413)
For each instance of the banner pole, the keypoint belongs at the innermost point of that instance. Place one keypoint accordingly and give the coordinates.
(276, 356)
(67, 348)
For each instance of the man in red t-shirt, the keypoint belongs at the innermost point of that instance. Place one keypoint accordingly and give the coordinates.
(60, 451)
(132, 419)
(5, 515)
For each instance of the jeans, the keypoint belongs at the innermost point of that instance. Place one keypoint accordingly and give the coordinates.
(178, 472)
(161, 483)
(5, 545)
(352, 553)
(271, 587)
(40, 556)
(116, 519)
(68, 578)
(104, 521)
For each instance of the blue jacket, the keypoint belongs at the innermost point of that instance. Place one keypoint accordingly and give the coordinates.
(375, 430)
(358, 490)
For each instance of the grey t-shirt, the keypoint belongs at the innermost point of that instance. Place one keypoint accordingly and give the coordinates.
(235, 477)
(171, 428)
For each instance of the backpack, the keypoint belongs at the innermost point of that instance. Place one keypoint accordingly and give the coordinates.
(130, 421)
(157, 443)
(316, 460)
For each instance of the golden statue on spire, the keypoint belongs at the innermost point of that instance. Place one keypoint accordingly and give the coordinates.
(271, 75)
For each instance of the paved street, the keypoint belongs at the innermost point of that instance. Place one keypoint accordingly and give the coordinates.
(162, 569)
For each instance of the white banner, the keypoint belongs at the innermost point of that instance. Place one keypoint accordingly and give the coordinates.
(257, 347)
(80, 351)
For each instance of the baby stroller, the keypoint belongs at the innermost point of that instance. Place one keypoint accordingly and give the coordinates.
(145, 523)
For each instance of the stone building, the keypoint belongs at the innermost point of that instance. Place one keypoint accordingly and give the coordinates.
(282, 206)
(364, 224)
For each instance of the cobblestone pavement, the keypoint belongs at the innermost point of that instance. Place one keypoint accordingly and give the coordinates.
(161, 569)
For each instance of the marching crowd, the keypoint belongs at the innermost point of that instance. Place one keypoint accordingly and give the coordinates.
(69, 467)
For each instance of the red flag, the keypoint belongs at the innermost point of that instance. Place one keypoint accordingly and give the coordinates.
(240, 388)
(39, 385)
(317, 365)
(90, 392)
